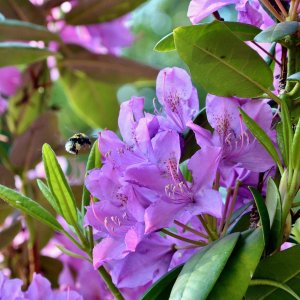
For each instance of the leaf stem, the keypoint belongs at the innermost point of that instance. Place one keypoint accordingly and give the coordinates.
(213, 235)
(187, 228)
(272, 10)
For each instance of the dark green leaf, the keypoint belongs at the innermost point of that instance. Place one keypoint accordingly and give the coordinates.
(296, 148)
(97, 11)
(280, 142)
(283, 267)
(273, 203)
(95, 102)
(8, 234)
(263, 213)
(14, 30)
(201, 272)
(240, 70)
(240, 266)
(237, 213)
(107, 68)
(14, 53)
(277, 32)
(160, 288)
(241, 224)
(262, 137)
(28, 206)
(244, 32)
(294, 77)
(94, 161)
(59, 186)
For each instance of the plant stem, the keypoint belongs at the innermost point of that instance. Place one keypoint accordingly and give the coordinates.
(281, 7)
(187, 228)
(272, 10)
(176, 236)
(227, 201)
(213, 235)
(106, 277)
(266, 52)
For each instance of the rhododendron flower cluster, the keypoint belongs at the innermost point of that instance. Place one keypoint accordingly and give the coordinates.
(142, 190)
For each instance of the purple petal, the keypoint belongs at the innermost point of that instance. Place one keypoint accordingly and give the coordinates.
(40, 288)
(133, 236)
(10, 80)
(203, 136)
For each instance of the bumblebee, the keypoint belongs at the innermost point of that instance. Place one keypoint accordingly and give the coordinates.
(76, 142)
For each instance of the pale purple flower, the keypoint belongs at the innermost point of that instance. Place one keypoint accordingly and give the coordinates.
(178, 98)
(10, 289)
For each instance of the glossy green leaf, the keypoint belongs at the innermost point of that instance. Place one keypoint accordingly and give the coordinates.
(263, 213)
(59, 186)
(48, 195)
(28, 206)
(282, 267)
(294, 77)
(14, 30)
(240, 266)
(243, 31)
(262, 137)
(14, 53)
(163, 286)
(94, 101)
(97, 11)
(277, 32)
(274, 207)
(106, 68)
(233, 69)
(8, 234)
(94, 161)
(201, 272)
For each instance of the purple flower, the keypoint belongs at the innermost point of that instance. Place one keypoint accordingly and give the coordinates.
(10, 81)
(10, 289)
(178, 98)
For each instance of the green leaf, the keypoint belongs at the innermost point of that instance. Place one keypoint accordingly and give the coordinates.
(48, 195)
(280, 142)
(71, 253)
(106, 68)
(263, 213)
(262, 137)
(14, 30)
(164, 284)
(94, 101)
(244, 32)
(8, 234)
(94, 161)
(296, 148)
(282, 267)
(240, 266)
(277, 32)
(200, 274)
(294, 77)
(14, 53)
(59, 186)
(274, 207)
(98, 11)
(28, 206)
(240, 70)
(241, 224)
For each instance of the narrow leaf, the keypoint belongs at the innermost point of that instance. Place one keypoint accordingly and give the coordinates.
(262, 137)
(296, 148)
(263, 213)
(201, 272)
(14, 53)
(28, 206)
(71, 253)
(59, 186)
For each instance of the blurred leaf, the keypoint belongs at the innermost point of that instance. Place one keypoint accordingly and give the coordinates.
(277, 32)
(296, 148)
(59, 186)
(105, 67)
(161, 289)
(280, 141)
(262, 137)
(263, 214)
(51, 268)
(8, 234)
(244, 32)
(94, 161)
(273, 204)
(14, 30)
(200, 274)
(295, 233)
(15, 53)
(283, 267)
(294, 77)
(71, 253)
(240, 72)
(94, 101)
(98, 11)
(42, 130)
(240, 266)
(28, 206)
(22, 10)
